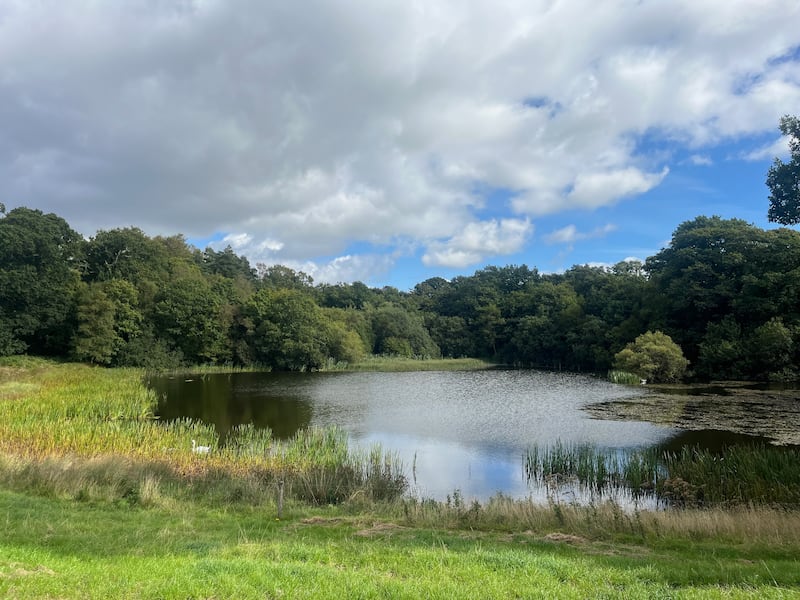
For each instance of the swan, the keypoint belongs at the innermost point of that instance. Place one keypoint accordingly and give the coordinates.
(200, 449)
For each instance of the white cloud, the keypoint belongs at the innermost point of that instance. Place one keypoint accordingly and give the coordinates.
(478, 241)
(364, 268)
(701, 160)
(778, 148)
(592, 190)
(570, 234)
(310, 127)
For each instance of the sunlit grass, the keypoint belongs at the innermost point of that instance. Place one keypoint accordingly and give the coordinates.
(400, 363)
(624, 377)
(80, 413)
(101, 500)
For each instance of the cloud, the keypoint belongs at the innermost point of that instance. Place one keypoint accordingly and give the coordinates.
(701, 160)
(778, 148)
(570, 234)
(592, 190)
(314, 126)
(478, 241)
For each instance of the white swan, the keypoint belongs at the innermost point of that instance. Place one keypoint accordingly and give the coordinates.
(200, 449)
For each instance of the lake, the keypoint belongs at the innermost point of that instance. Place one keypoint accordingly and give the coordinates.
(462, 430)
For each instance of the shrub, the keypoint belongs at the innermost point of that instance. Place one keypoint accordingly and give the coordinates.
(653, 356)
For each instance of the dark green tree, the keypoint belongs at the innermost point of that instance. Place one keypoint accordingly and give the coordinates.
(39, 255)
(783, 179)
(285, 330)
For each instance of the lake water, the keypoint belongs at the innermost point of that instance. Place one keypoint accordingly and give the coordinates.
(463, 430)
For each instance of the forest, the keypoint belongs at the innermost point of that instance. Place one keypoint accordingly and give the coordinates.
(727, 292)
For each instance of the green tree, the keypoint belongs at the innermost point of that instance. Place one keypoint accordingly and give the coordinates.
(402, 332)
(652, 356)
(783, 179)
(95, 339)
(285, 329)
(39, 254)
(722, 353)
(187, 316)
(770, 351)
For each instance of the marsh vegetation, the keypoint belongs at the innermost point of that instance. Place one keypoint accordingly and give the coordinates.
(101, 499)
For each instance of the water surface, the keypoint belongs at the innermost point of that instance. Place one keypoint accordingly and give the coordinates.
(465, 430)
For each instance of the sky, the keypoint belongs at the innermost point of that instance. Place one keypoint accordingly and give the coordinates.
(389, 141)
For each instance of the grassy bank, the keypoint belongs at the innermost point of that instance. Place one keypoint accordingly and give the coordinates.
(98, 500)
(399, 363)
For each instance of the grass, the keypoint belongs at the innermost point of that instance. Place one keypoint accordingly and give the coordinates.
(400, 363)
(66, 549)
(98, 500)
(624, 377)
(693, 476)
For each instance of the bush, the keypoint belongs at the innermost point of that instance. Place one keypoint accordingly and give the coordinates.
(653, 356)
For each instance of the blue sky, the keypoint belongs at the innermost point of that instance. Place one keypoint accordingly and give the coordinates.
(390, 142)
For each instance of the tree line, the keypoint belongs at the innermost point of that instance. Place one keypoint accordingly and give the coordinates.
(725, 291)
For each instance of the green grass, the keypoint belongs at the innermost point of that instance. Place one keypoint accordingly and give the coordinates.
(54, 548)
(624, 377)
(98, 500)
(399, 363)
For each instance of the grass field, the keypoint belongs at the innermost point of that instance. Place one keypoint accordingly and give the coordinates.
(97, 500)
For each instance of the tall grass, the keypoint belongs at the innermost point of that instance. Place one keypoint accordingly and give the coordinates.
(690, 477)
(78, 417)
(400, 363)
(624, 377)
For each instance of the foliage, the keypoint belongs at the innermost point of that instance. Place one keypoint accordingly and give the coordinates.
(783, 179)
(724, 290)
(39, 254)
(624, 377)
(652, 356)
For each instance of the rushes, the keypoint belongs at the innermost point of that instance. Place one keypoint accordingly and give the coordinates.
(79, 417)
(691, 477)
(624, 377)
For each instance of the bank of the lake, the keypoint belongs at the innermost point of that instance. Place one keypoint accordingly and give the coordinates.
(99, 500)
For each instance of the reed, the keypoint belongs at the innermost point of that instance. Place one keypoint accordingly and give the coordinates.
(75, 415)
(624, 377)
(691, 477)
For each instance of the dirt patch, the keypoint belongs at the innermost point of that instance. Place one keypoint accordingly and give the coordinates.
(565, 538)
(735, 407)
(322, 521)
(18, 570)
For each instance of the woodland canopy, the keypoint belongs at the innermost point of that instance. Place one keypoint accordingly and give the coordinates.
(726, 292)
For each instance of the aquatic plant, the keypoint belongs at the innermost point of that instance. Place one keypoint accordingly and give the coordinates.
(624, 377)
(692, 476)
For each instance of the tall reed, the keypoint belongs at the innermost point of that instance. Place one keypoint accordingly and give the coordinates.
(690, 477)
(67, 413)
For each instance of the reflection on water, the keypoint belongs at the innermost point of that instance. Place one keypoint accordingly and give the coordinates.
(714, 440)
(453, 430)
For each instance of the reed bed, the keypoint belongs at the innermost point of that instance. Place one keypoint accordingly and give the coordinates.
(738, 475)
(79, 417)
(624, 377)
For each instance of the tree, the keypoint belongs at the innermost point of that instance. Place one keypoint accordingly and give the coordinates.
(770, 351)
(286, 330)
(783, 179)
(38, 282)
(652, 356)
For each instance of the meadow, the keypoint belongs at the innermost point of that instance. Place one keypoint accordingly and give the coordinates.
(100, 500)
